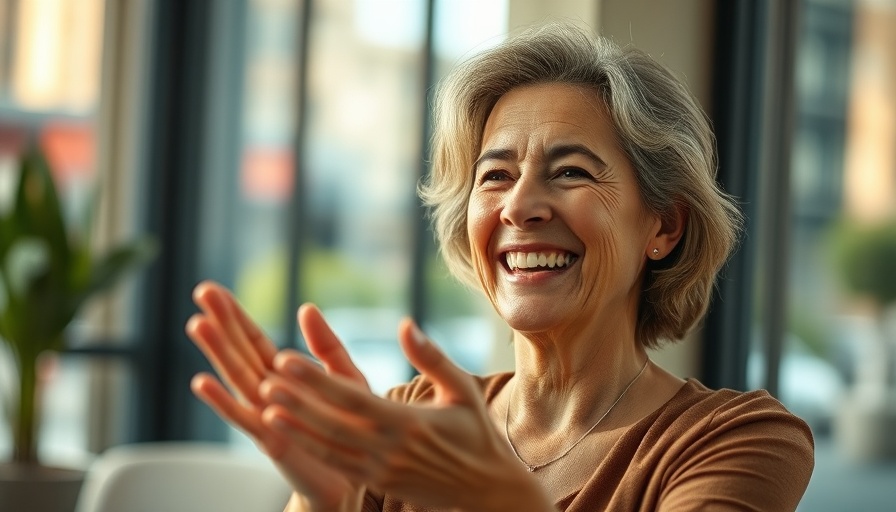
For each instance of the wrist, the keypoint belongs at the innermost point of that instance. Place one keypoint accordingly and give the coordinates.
(517, 490)
(349, 503)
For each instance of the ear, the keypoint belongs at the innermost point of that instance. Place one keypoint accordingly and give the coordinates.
(667, 232)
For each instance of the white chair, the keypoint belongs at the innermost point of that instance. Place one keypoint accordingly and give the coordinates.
(181, 477)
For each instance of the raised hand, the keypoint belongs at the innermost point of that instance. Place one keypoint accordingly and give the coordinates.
(444, 454)
(244, 357)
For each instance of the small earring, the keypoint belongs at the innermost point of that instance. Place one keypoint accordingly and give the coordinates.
(656, 252)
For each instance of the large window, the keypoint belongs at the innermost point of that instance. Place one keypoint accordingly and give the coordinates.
(838, 364)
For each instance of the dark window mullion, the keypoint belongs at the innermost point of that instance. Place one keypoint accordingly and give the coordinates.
(421, 236)
(297, 231)
(166, 362)
(753, 115)
(738, 85)
(421, 245)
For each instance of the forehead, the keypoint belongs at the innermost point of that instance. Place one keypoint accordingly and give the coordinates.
(549, 110)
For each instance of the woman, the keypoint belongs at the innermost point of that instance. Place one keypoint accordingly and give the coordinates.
(573, 182)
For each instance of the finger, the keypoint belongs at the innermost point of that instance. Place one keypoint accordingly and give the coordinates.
(247, 338)
(336, 427)
(306, 473)
(453, 385)
(349, 462)
(229, 363)
(325, 345)
(337, 390)
(263, 345)
(212, 392)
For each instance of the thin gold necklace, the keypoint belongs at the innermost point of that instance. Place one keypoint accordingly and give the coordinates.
(535, 467)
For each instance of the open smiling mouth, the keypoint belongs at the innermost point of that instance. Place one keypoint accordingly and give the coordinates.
(538, 261)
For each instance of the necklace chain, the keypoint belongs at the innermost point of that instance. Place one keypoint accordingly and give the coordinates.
(535, 467)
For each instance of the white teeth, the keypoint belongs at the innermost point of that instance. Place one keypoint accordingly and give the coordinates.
(531, 260)
(521, 260)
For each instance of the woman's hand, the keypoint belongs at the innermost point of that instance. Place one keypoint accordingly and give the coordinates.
(444, 454)
(243, 356)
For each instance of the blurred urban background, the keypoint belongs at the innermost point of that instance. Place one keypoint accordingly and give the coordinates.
(275, 146)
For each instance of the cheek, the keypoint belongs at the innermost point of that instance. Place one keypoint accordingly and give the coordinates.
(481, 223)
(601, 248)
(616, 255)
(606, 248)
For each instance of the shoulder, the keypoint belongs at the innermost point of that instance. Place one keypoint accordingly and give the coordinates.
(726, 445)
(421, 390)
(703, 411)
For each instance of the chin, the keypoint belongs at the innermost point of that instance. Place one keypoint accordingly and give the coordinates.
(534, 318)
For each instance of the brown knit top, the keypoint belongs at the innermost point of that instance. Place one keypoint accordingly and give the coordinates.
(703, 450)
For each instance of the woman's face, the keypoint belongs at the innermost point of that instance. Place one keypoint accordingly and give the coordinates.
(559, 234)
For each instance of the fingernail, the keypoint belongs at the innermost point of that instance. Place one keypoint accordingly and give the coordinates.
(418, 335)
(192, 323)
(295, 368)
(279, 423)
(278, 396)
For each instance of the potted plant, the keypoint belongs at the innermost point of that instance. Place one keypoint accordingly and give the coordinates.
(47, 272)
(865, 256)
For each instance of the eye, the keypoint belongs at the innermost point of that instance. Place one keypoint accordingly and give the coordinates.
(574, 173)
(494, 175)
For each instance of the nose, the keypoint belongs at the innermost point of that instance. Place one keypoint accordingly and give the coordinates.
(527, 203)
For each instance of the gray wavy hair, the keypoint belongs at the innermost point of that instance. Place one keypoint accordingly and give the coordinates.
(661, 128)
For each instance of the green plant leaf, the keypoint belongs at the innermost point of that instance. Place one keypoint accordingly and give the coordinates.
(38, 209)
(27, 260)
(111, 267)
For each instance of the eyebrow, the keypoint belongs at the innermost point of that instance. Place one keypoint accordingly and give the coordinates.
(557, 152)
(494, 154)
(553, 153)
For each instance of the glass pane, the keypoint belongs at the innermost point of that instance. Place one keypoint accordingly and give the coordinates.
(838, 366)
(364, 120)
(65, 406)
(56, 55)
(86, 406)
(363, 152)
(83, 401)
(251, 197)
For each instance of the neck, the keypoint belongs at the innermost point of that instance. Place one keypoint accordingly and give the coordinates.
(565, 383)
(534, 466)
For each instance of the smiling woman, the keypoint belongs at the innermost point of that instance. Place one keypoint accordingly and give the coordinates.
(573, 183)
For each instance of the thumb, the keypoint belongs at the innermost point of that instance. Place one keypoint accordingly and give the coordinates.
(453, 385)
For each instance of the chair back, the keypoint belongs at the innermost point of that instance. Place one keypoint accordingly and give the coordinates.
(181, 477)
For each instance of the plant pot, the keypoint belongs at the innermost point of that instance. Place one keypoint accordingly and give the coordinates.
(36, 488)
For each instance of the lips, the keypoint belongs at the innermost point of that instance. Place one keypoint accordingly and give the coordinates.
(533, 261)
